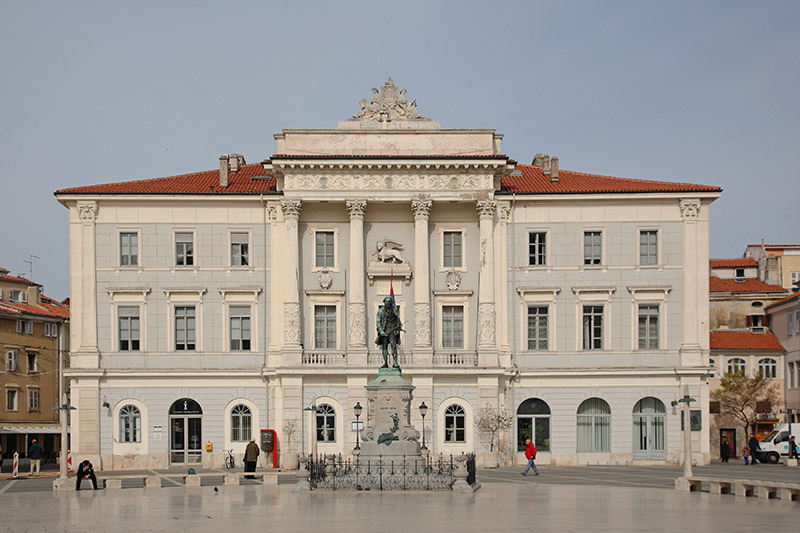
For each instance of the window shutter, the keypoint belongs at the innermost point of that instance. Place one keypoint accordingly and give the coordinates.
(713, 407)
(763, 406)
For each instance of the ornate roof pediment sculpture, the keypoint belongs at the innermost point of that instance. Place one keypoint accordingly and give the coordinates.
(388, 103)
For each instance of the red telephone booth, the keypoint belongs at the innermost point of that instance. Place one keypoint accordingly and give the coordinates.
(269, 445)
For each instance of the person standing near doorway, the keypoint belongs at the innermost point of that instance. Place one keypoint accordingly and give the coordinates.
(530, 455)
(35, 455)
(725, 451)
(754, 448)
(251, 454)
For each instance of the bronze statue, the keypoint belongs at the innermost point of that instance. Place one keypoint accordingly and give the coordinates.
(389, 328)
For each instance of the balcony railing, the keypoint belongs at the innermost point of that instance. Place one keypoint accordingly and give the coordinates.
(324, 358)
(455, 358)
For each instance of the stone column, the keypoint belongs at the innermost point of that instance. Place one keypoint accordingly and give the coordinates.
(291, 301)
(692, 258)
(357, 308)
(486, 309)
(422, 285)
(83, 276)
(504, 213)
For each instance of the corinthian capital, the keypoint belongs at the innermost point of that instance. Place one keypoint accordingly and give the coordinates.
(356, 208)
(690, 208)
(421, 208)
(291, 208)
(87, 211)
(486, 208)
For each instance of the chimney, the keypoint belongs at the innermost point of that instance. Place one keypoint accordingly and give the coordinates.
(236, 162)
(224, 168)
(554, 170)
(546, 165)
(537, 160)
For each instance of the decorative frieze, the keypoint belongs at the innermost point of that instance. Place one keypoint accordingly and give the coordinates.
(486, 324)
(87, 211)
(291, 318)
(357, 312)
(690, 209)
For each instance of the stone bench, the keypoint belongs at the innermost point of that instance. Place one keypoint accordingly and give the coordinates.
(743, 488)
(694, 484)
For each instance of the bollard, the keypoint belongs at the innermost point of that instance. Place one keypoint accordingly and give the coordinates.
(16, 465)
(69, 460)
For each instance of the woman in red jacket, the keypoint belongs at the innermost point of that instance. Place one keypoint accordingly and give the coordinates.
(530, 455)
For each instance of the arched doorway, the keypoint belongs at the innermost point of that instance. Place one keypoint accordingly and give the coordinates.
(185, 432)
(533, 422)
(649, 429)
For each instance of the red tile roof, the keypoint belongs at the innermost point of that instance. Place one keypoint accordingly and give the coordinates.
(47, 309)
(16, 279)
(785, 300)
(744, 340)
(742, 285)
(739, 262)
(206, 182)
(533, 181)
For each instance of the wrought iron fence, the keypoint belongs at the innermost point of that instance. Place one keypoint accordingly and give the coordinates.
(430, 473)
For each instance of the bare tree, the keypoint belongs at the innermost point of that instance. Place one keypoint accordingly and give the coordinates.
(289, 429)
(739, 396)
(492, 421)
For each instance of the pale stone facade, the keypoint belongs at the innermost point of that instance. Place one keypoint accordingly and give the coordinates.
(390, 200)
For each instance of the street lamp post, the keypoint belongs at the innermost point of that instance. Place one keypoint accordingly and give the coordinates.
(423, 410)
(357, 410)
(62, 416)
(687, 431)
(312, 409)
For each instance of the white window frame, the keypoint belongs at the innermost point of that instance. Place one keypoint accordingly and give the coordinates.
(791, 382)
(547, 243)
(447, 299)
(240, 297)
(24, 327)
(639, 232)
(453, 229)
(128, 297)
(183, 298)
(18, 296)
(325, 229)
(790, 322)
(136, 447)
(188, 312)
(241, 318)
(12, 360)
(794, 277)
(120, 317)
(15, 390)
(34, 397)
(594, 296)
(538, 297)
(594, 423)
(652, 295)
(333, 299)
(175, 264)
(603, 247)
(712, 363)
(255, 423)
(329, 335)
(35, 355)
(770, 364)
(743, 367)
(51, 329)
(244, 436)
(657, 315)
(440, 444)
(138, 233)
(244, 231)
(449, 412)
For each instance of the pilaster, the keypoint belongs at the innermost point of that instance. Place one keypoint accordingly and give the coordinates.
(357, 308)
(83, 277)
(291, 302)
(487, 324)
(693, 255)
(422, 299)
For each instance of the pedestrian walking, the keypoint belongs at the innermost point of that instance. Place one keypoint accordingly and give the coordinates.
(251, 454)
(85, 471)
(746, 455)
(725, 451)
(754, 448)
(35, 455)
(793, 449)
(530, 455)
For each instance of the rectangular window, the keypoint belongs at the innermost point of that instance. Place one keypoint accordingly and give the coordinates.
(592, 327)
(325, 327)
(537, 328)
(128, 329)
(648, 326)
(537, 248)
(33, 399)
(791, 375)
(592, 247)
(184, 248)
(185, 328)
(794, 279)
(25, 327)
(11, 360)
(324, 249)
(240, 249)
(648, 247)
(451, 249)
(50, 330)
(18, 296)
(128, 249)
(12, 400)
(790, 323)
(32, 363)
(240, 328)
(453, 326)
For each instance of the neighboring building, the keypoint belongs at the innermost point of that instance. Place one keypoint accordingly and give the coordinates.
(214, 304)
(778, 263)
(34, 338)
(738, 297)
(785, 319)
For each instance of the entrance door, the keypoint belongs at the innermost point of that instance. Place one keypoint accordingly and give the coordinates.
(649, 420)
(185, 434)
(728, 435)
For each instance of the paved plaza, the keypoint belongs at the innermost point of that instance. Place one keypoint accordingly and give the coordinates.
(589, 498)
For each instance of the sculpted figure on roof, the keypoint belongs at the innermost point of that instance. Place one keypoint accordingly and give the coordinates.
(387, 104)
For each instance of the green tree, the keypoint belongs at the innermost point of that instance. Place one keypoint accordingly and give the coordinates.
(739, 396)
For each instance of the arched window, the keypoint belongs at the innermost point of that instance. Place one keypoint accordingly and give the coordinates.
(241, 423)
(326, 423)
(768, 368)
(713, 364)
(736, 365)
(533, 422)
(649, 432)
(130, 424)
(594, 426)
(455, 423)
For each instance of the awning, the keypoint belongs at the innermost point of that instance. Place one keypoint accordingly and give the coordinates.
(30, 430)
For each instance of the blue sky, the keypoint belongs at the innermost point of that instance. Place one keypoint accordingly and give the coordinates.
(96, 92)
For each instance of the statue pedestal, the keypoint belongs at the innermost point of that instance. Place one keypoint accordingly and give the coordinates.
(390, 434)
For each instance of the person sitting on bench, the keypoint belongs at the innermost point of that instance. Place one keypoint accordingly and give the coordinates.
(86, 471)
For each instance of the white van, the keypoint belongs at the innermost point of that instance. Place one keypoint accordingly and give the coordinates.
(776, 444)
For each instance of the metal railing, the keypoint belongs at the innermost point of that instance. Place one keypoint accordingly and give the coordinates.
(324, 358)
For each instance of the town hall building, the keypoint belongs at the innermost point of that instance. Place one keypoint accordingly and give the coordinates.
(209, 306)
